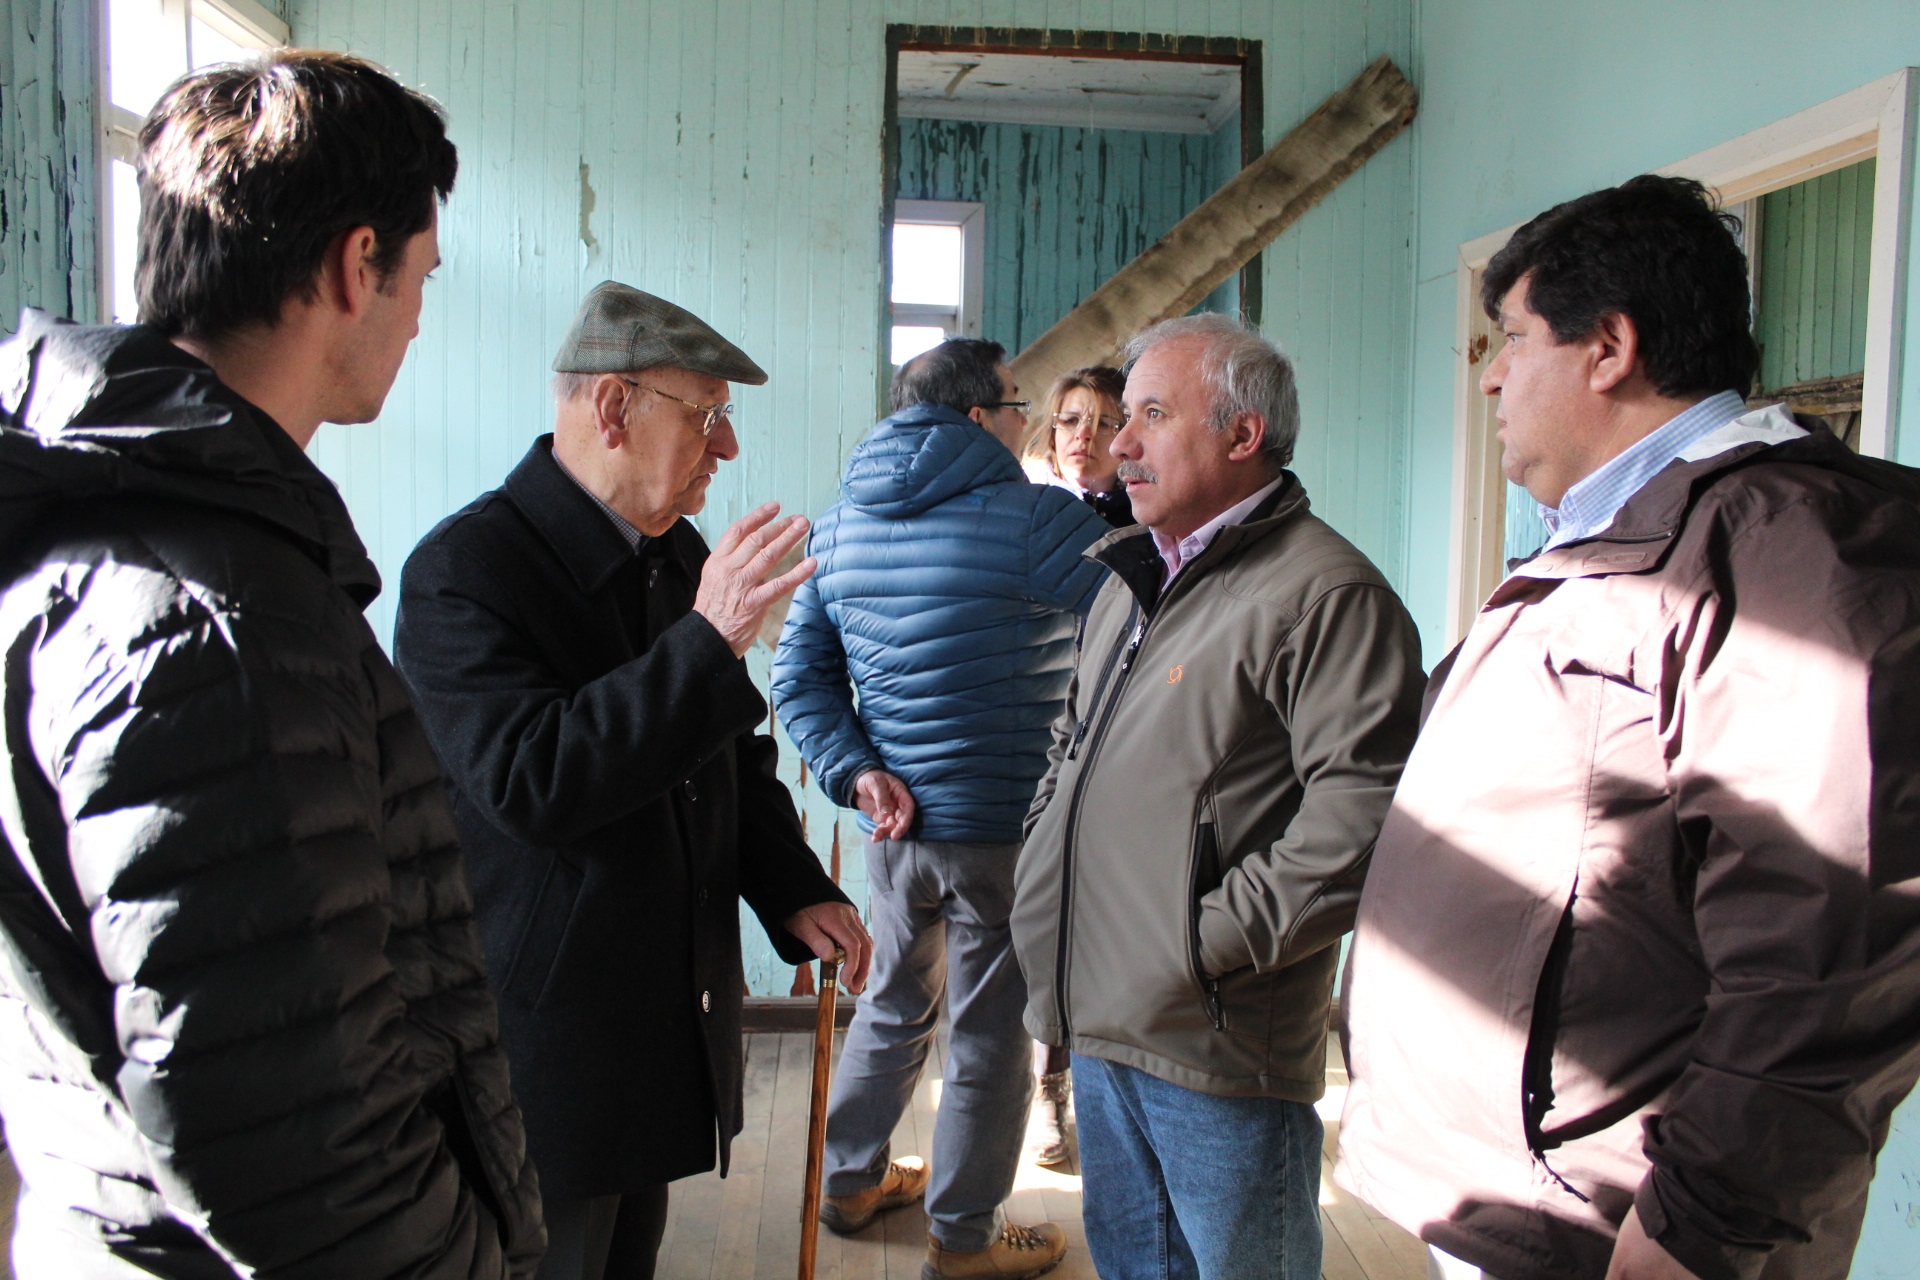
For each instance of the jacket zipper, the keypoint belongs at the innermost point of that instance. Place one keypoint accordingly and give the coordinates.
(1100, 685)
(1099, 712)
(1537, 1063)
(1206, 857)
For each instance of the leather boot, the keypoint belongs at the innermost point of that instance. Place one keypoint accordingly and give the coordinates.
(1052, 1098)
(1019, 1253)
(904, 1182)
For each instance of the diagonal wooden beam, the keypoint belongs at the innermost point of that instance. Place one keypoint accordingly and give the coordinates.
(1226, 231)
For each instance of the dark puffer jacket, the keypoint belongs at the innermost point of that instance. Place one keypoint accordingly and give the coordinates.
(244, 1027)
(946, 597)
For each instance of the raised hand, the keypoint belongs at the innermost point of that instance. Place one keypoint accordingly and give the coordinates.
(886, 800)
(735, 589)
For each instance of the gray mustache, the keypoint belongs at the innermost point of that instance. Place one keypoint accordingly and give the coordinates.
(1138, 471)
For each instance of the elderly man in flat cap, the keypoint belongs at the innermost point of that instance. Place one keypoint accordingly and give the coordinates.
(575, 651)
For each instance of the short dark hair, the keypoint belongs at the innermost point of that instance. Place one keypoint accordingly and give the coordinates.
(249, 170)
(1655, 250)
(960, 373)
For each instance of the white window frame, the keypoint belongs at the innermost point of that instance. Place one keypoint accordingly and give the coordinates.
(970, 216)
(1879, 121)
(245, 22)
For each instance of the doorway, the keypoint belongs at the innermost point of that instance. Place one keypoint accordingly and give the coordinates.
(1025, 167)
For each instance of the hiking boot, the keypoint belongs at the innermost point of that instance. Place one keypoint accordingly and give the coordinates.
(1055, 1089)
(905, 1182)
(1018, 1253)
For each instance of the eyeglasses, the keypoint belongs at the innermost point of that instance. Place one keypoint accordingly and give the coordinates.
(1021, 405)
(1072, 422)
(713, 412)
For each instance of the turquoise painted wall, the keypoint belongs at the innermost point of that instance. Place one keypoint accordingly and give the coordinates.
(48, 249)
(1526, 104)
(1064, 208)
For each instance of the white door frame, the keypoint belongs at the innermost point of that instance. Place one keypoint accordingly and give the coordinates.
(1876, 120)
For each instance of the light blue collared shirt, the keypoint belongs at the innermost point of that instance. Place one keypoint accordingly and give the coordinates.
(1590, 506)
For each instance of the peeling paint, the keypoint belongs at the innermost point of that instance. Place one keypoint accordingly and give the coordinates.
(47, 216)
(1065, 208)
(586, 210)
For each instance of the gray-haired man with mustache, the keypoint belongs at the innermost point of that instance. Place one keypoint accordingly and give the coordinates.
(1245, 695)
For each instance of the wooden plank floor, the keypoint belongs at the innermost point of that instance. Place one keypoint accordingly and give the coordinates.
(747, 1226)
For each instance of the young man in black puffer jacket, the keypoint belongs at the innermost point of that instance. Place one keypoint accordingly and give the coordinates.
(244, 1028)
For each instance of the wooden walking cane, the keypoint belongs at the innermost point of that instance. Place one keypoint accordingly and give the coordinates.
(817, 1116)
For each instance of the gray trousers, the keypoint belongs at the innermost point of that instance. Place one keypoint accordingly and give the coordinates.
(939, 919)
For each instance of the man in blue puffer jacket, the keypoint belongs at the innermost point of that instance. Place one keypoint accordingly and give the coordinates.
(947, 599)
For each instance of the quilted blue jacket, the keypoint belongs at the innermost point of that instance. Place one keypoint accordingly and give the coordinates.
(946, 600)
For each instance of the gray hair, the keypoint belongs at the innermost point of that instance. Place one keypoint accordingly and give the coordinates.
(568, 387)
(1243, 372)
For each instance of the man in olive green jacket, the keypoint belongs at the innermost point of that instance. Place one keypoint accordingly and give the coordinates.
(1246, 694)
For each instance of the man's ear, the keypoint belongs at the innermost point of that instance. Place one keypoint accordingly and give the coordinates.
(979, 416)
(1615, 344)
(610, 397)
(348, 271)
(1247, 431)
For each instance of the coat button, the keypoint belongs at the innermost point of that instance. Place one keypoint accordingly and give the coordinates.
(702, 898)
(692, 789)
(653, 576)
(706, 1002)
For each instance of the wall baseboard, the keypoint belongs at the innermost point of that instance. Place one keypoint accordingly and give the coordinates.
(790, 1013)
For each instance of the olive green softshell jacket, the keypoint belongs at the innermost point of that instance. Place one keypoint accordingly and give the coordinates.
(1215, 785)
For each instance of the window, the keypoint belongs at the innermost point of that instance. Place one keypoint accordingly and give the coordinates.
(149, 44)
(938, 251)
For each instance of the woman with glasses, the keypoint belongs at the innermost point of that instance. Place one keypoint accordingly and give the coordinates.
(1070, 443)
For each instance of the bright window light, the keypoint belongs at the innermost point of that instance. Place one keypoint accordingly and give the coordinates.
(126, 240)
(909, 340)
(210, 46)
(926, 264)
(146, 50)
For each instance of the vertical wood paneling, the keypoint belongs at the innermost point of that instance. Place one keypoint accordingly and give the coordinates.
(48, 218)
(1814, 248)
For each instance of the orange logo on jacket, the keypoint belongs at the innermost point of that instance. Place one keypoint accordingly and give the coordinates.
(1174, 674)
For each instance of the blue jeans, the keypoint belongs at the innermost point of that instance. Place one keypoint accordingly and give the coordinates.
(1179, 1185)
(939, 917)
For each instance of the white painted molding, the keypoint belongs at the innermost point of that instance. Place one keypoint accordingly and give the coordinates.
(1065, 115)
(1476, 554)
(245, 22)
(971, 217)
(1875, 120)
(1888, 278)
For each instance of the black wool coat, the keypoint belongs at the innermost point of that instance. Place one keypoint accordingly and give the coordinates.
(615, 804)
(244, 1024)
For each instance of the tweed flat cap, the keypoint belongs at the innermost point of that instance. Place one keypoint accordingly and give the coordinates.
(619, 329)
